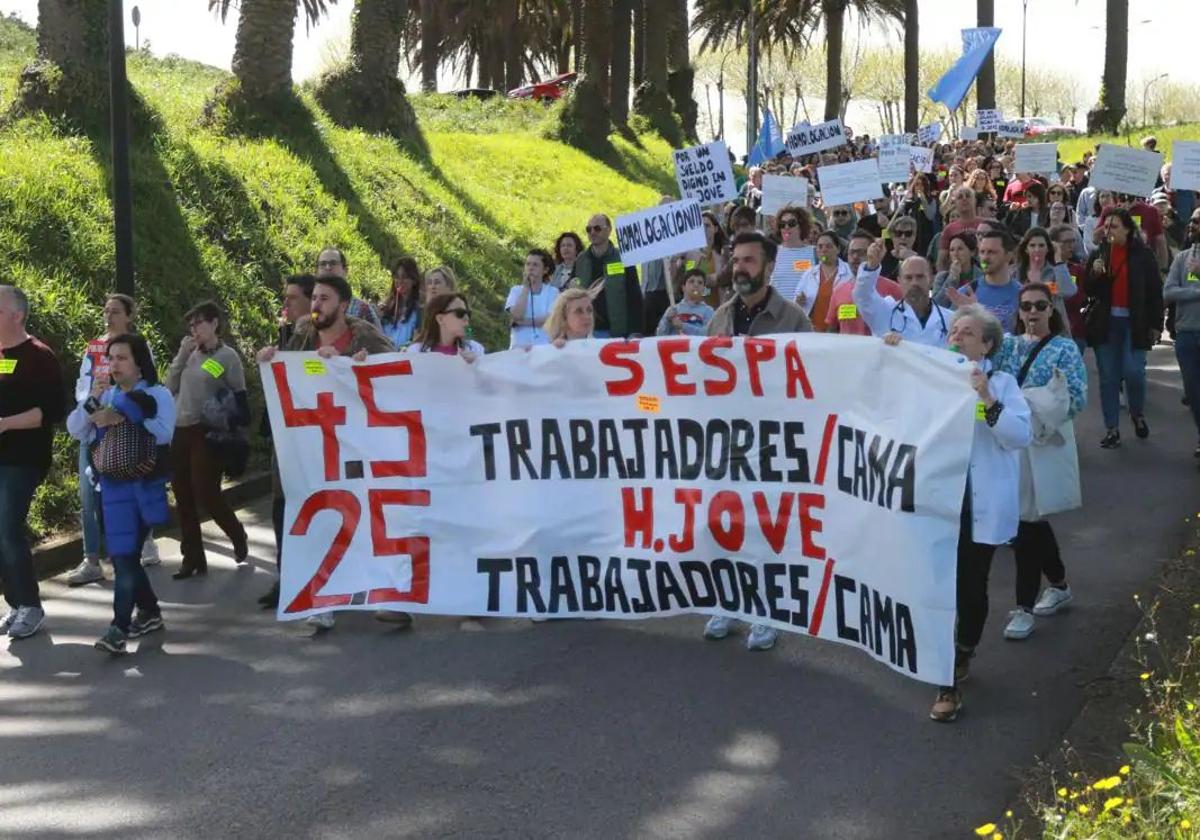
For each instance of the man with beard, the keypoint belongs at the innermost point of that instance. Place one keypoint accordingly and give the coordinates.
(756, 309)
(331, 332)
(915, 317)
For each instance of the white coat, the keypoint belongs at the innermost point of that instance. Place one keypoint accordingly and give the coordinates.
(996, 463)
(810, 284)
(883, 315)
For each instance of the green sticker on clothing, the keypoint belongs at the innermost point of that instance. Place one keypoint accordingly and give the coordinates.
(614, 268)
(8, 365)
(213, 368)
(980, 411)
(689, 265)
(1192, 278)
(314, 367)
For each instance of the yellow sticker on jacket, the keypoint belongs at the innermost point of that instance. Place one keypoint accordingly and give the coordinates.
(1137, 221)
(689, 265)
(314, 367)
(8, 365)
(980, 411)
(847, 312)
(1194, 278)
(649, 403)
(614, 269)
(213, 368)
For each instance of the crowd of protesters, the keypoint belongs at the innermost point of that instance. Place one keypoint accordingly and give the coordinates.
(1020, 273)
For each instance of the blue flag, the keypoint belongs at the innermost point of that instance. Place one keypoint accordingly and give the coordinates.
(952, 88)
(770, 140)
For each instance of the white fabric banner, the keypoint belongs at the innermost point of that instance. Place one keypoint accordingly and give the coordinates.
(1125, 170)
(660, 231)
(812, 483)
(781, 190)
(705, 173)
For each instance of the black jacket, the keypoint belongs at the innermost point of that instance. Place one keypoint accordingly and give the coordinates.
(1145, 296)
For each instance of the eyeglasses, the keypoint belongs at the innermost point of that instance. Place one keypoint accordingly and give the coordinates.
(1039, 305)
(595, 228)
(841, 212)
(461, 314)
(790, 223)
(328, 263)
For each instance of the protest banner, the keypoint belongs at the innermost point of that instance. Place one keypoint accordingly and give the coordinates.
(705, 173)
(807, 139)
(813, 483)
(846, 183)
(1011, 129)
(1125, 170)
(790, 264)
(988, 120)
(1185, 165)
(931, 133)
(920, 158)
(968, 132)
(781, 190)
(894, 160)
(1037, 158)
(660, 231)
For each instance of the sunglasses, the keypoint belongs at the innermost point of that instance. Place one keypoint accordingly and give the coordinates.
(460, 313)
(841, 212)
(1039, 305)
(595, 228)
(904, 233)
(791, 223)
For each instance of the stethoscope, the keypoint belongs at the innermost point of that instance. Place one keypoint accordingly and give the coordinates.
(899, 308)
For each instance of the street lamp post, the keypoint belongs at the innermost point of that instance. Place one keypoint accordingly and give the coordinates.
(1146, 94)
(1024, 16)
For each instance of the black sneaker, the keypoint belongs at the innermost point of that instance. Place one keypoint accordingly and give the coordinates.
(145, 624)
(1111, 439)
(113, 641)
(270, 599)
(1140, 427)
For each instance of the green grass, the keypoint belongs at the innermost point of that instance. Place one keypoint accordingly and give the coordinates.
(1072, 148)
(226, 218)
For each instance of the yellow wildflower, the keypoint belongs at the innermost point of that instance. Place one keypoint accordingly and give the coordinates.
(1185, 824)
(1109, 804)
(1083, 809)
(1062, 792)
(1124, 771)
(1008, 814)
(986, 830)
(1145, 675)
(1107, 784)
(997, 836)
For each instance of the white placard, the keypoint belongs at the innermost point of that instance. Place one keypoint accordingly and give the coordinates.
(921, 158)
(1125, 170)
(988, 120)
(930, 133)
(661, 231)
(894, 160)
(846, 183)
(1185, 165)
(1038, 158)
(807, 139)
(790, 264)
(781, 190)
(810, 482)
(1011, 129)
(968, 132)
(705, 173)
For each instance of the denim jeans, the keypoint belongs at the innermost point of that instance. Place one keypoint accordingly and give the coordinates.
(17, 485)
(131, 586)
(89, 508)
(1187, 352)
(1117, 360)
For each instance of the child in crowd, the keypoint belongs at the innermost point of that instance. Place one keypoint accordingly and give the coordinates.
(691, 315)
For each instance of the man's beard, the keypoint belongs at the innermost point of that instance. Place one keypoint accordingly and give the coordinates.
(745, 284)
(323, 322)
(916, 296)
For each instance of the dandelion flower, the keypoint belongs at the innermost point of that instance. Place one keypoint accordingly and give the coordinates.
(1109, 804)
(997, 836)
(986, 830)
(1008, 814)
(1083, 809)
(1062, 792)
(1191, 707)
(1107, 784)
(1124, 771)
(1145, 675)
(1185, 823)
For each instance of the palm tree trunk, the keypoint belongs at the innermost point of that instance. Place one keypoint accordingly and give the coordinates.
(681, 77)
(430, 35)
(375, 38)
(985, 84)
(1111, 110)
(639, 42)
(577, 34)
(618, 90)
(655, 20)
(513, 45)
(912, 66)
(72, 35)
(262, 55)
(597, 41)
(835, 25)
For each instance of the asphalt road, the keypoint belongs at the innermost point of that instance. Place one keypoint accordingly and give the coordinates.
(231, 725)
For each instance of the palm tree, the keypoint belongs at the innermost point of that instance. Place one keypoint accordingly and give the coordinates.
(834, 14)
(985, 84)
(429, 46)
(70, 73)
(680, 73)
(262, 54)
(597, 41)
(618, 87)
(1110, 110)
(912, 67)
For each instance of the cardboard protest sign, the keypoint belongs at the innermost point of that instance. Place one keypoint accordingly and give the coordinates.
(968, 132)
(807, 139)
(920, 158)
(781, 190)
(660, 231)
(705, 174)
(987, 120)
(846, 183)
(1011, 129)
(1039, 158)
(931, 133)
(1125, 170)
(813, 483)
(1185, 165)
(894, 160)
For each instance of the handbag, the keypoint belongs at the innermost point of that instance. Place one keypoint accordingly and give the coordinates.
(126, 452)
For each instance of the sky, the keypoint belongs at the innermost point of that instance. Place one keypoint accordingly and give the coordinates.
(1063, 35)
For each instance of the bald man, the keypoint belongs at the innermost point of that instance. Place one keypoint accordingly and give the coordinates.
(915, 317)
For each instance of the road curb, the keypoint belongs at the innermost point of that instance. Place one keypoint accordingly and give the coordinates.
(64, 552)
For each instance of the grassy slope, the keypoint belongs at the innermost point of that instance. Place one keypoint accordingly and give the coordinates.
(1072, 149)
(227, 218)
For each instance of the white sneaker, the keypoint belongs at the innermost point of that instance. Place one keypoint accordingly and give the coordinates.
(10, 618)
(85, 573)
(761, 637)
(150, 555)
(717, 627)
(320, 621)
(1020, 624)
(29, 621)
(1052, 600)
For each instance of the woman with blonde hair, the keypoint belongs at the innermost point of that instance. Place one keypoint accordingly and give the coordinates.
(980, 181)
(571, 317)
(439, 281)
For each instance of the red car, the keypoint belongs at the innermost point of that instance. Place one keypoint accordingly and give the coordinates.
(548, 90)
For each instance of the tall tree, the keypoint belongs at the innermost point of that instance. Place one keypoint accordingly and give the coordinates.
(262, 53)
(680, 73)
(71, 69)
(985, 83)
(429, 46)
(597, 41)
(912, 67)
(639, 42)
(1110, 110)
(618, 95)
(833, 14)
